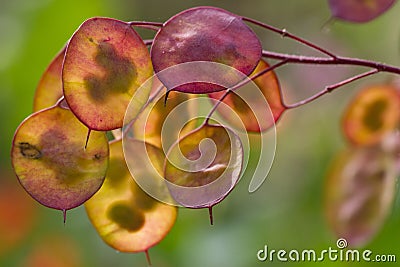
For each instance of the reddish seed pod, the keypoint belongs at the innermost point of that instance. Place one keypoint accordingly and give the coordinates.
(372, 115)
(203, 167)
(105, 63)
(125, 217)
(51, 161)
(205, 34)
(359, 193)
(359, 10)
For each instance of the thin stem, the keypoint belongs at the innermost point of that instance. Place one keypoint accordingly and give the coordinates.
(154, 26)
(151, 99)
(240, 84)
(64, 211)
(87, 138)
(148, 257)
(285, 33)
(332, 61)
(145, 23)
(285, 59)
(330, 88)
(210, 213)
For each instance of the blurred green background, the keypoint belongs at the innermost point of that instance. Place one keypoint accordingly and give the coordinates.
(285, 213)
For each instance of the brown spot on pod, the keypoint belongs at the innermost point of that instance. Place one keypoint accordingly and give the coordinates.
(126, 217)
(119, 73)
(66, 174)
(29, 151)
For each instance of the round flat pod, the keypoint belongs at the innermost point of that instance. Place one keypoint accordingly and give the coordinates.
(55, 162)
(125, 217)
(359, 193)
(105, 62)
(359, 10)
(204, 166)
(205, 34)
(372, 114)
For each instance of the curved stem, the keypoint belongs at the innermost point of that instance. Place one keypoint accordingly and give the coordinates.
(285, 33)
(154, 26)
(146, 23)
(294, 59)
(330, 88)
(240, 84)
(332, 61)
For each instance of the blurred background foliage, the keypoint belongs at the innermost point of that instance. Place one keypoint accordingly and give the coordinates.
(285, 213)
